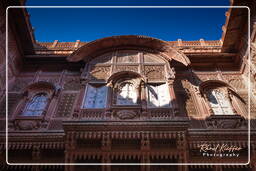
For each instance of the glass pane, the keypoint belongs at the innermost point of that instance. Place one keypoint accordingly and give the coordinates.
(164, 95)
(36, 106)
(100, 101)
(158, 96)
(95, 97)
(127, 95)
(153, 97)
(219, 103)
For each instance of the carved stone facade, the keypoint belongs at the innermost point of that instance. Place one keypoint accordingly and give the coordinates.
(127, 99)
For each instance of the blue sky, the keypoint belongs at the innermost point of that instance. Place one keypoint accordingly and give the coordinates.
(90, 24)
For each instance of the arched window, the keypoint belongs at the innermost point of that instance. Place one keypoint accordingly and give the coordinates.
(36, 106)
(219, 102)
(126, 94)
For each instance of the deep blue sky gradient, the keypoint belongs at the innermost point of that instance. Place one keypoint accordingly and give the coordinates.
(89, 24)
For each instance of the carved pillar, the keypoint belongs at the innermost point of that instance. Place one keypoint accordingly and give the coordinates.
(110, 95)
(228, 96)
(173, 97)
(144, 100)
(202, 109)
(207, 104)
(52, 103)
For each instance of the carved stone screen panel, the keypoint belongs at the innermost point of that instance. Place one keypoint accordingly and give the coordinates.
(65, 104)
(95, 97)
(219, 103)
(158, 95)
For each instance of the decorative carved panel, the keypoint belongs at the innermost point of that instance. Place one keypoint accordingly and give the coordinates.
(72, 83)
(105, 58)
(55, 124)
(224, 122)
(190, 107)
(127, 57)
(154, 73)
(149, 58)
(126, 68)
(27, 124)
(99, 72)
(126, 114)
(65, 104)
(160, 113)
(237, 83)
(91, 114)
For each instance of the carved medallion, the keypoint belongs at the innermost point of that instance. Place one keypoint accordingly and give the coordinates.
(126, 114)
(27, 124)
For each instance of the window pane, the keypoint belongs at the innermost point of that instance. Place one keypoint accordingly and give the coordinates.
(219, 103)
(153, 97)
(126, 95)
(164, 95)
(36, 106)
(95, 97)
(158, 95)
